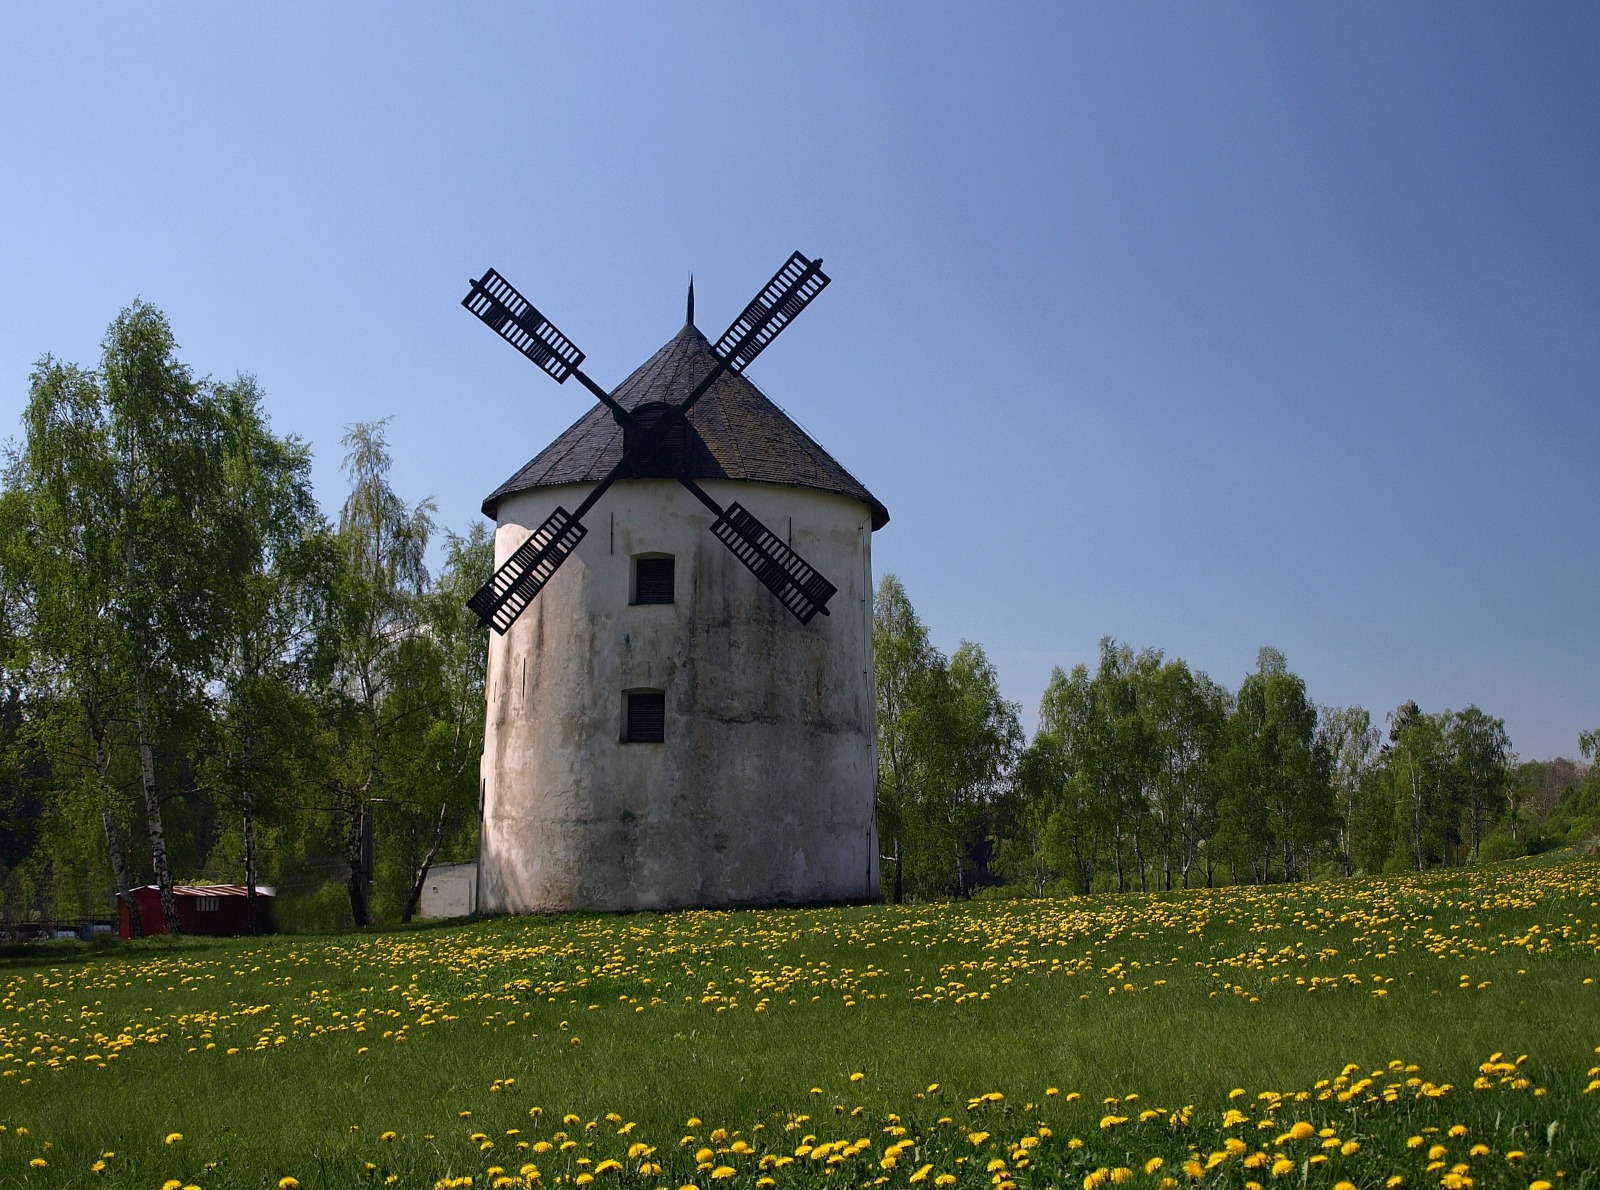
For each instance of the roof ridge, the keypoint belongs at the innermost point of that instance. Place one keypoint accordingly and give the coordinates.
(746, 434)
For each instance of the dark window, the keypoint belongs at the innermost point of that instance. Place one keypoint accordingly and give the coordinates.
(647, 717)
(652, 580)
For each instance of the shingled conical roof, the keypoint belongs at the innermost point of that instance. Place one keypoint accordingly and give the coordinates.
(742, 435)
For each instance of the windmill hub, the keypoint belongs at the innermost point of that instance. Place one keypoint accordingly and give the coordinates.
(680, 704)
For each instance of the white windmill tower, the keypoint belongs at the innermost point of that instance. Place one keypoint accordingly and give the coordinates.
(671, 723)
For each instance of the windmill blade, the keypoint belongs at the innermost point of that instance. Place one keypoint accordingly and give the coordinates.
(513, 586)
(785, 573)
(516, 320)
(790, 291)
(500, 601)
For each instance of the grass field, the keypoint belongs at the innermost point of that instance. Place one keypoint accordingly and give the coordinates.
(1439, 1029)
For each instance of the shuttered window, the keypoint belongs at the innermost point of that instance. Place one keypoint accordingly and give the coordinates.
(652, 580)
(647, 717)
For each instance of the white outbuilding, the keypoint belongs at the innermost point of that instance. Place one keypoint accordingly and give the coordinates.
(661, 732)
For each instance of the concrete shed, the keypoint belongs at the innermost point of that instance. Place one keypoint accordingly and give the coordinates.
(661, 732)
(451, 890)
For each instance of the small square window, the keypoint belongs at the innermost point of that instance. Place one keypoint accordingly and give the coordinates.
(652, 580)
(646, 717)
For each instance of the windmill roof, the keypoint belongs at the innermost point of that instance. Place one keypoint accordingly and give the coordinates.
(741, 433)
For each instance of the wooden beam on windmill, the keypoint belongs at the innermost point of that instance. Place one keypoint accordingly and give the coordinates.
(796, 584)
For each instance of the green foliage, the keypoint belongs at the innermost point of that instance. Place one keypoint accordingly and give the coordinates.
(1146, 774)
(199, 677)
(1575, 817)
(947, 745)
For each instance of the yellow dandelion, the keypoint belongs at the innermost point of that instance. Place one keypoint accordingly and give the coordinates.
(172, 1139)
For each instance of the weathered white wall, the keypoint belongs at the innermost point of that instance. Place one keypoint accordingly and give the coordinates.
(764, 790)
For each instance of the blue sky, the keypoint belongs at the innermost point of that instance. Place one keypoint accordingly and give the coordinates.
(1202, 326)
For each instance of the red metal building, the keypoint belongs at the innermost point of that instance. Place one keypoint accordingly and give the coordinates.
(217, 909)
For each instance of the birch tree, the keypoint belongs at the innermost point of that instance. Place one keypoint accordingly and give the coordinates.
(376, 617)
(123, 475)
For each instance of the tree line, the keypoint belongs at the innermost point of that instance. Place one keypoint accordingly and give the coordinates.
(203, 676)
(1145, 773)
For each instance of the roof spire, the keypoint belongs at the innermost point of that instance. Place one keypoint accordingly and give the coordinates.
(689, 320)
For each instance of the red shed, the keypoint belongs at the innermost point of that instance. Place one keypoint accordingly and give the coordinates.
(218, 909)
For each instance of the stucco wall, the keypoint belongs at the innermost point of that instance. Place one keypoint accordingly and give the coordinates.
(451, 890)
(763, 791)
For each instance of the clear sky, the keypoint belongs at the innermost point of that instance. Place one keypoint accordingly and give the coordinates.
(1204, 326)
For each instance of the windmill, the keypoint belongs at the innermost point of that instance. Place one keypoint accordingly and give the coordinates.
(661, 732)
(796, 584)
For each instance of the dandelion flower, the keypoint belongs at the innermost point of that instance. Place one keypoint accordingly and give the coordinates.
(172, 1139)
(288, 1183)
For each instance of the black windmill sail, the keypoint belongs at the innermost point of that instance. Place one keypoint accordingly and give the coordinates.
(797, 585)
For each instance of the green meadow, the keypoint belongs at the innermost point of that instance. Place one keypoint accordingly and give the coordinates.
(1430, 1030)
